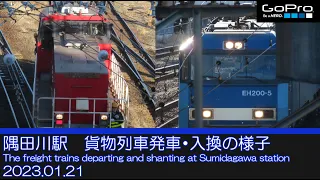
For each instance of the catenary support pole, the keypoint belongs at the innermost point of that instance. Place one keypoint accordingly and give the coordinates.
(197, 61)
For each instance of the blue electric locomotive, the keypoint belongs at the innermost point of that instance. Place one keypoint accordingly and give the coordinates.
(251, 96)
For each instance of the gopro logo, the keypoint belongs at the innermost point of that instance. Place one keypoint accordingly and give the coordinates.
(287, 7)
(299, 12)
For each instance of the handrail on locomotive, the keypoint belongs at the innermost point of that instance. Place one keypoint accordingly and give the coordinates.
(101, 76)
(125, 110)
(121, 90)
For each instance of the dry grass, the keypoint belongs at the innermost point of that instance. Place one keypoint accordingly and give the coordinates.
(20, 34)
(139, 114)
(140, 12)
(21, 40)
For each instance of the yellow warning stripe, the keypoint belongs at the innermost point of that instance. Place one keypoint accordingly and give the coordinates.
(116, 124)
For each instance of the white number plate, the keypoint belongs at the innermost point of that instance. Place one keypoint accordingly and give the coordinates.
(256, 93)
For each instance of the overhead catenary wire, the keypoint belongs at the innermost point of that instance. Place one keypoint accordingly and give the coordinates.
(234, 74)
(246, 39)
(185, 59)
(166, 62)
(132, 17)
(11, 107)
(122, 32)
(173, 45)
(240, 69)
(120, 29)
(15, 13)
(23, 14)
(128, 30)
(79, 39)
(16, 22)
(18, 68)
(134, 43)
(171, 49)
(95, 58)
(169, 27)
(110, 69)
(177, 74)
(17, 86)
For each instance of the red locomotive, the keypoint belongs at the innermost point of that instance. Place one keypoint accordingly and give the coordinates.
(78, 82)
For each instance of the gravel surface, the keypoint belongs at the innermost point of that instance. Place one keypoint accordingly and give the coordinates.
(167, 90)
(140, 116)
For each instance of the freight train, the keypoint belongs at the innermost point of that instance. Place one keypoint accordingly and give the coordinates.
(78, 81)
(251, 96)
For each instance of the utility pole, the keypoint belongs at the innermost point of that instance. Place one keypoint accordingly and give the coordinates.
(198, 72)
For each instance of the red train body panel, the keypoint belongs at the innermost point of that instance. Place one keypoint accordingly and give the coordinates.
(74, 73)
(44, 64)
(84, 87)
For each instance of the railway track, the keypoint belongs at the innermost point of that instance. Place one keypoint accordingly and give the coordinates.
(131, 65)
(166, 72)
(168, 105)
(123, 46)
(166, 113)
(15, 91)
(167, 68)
(129, 54)
(167, 51)
(135, 42)
(167, 91)
(166, 76)
(167, 83)
(19, 99)
(171, 123)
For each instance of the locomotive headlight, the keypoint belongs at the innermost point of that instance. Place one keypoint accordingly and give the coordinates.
(265, 113)
(258, 114)
(238, 45)
(104, 117)
(229, 45)
(59, 116)
(207, 113)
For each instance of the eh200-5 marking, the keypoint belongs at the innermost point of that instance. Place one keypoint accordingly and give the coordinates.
(256, 93)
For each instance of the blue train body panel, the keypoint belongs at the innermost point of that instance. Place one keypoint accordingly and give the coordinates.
(240, 96)
(234, 103)
(235, 97)
(258, 41)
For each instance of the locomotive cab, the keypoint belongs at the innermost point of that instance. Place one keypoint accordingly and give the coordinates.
(250, 95)
(78, 80)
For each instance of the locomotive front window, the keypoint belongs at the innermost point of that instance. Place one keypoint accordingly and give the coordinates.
(94, 29)
(78, 27)
(238, 67)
